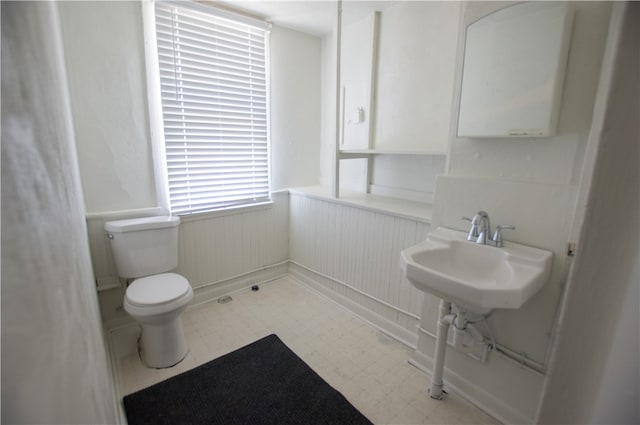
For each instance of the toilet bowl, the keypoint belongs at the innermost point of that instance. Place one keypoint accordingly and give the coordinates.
(145, 250)
(156, 302)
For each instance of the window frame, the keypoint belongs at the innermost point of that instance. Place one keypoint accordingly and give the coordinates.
(155, 108)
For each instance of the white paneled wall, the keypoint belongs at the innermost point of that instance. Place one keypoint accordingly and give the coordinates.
(353, 256)
(349, 253)
(217, 253)
(219, 248)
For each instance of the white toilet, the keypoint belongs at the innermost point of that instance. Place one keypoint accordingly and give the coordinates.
(145, 249)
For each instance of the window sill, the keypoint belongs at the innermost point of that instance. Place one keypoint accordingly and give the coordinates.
(229, 211)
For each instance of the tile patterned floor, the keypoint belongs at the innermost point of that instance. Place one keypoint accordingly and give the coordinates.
(368, 368)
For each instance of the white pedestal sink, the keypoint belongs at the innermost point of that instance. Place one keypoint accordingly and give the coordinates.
(478, 277)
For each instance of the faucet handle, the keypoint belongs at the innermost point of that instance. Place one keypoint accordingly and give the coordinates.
(473, 231)
(497, 236)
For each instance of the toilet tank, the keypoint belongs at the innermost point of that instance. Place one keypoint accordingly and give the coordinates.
(144, 246)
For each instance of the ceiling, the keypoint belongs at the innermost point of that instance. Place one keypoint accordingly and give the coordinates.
(312, 17)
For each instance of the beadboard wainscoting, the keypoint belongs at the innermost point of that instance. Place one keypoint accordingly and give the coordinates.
(351, 254)
(218, 253)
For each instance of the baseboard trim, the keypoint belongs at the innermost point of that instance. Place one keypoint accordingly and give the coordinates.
(118, 407)
(474, 394)
(210, 292)
(384, 325)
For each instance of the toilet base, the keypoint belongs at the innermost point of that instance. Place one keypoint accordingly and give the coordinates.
(163, 345)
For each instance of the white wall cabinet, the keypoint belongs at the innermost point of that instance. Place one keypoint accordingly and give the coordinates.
(514, 62)
(397, 69)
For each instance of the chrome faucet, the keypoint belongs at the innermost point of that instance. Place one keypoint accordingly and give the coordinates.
(481, 227)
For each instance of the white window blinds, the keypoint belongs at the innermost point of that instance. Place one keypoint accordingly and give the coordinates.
(213, 83)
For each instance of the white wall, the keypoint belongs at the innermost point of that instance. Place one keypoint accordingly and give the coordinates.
(217, 253)
(295, 109)
(532, 184)
(412, 175)
(595, 374)
(501, 386)
(619, 388)
(351, 254)
(554, 159)
(104, 53)
(54, 364)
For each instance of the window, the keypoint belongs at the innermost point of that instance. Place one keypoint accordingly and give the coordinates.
(213, 78)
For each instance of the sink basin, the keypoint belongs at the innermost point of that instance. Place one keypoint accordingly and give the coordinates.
(478, 277)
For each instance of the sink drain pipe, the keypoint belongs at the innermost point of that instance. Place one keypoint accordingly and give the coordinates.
(444, 321)
(461, 327)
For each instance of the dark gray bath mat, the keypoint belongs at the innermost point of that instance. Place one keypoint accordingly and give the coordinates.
(262, 383)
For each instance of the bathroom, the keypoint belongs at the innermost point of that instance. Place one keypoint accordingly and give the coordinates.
(55, 254)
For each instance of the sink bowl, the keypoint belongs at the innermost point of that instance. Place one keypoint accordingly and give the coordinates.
(477, 277)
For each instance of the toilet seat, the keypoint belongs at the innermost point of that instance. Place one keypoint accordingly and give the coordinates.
(157, 294)
(157, 289)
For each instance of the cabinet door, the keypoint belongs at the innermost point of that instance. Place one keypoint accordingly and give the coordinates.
(357, 56)
(416, 76)
(514, 62)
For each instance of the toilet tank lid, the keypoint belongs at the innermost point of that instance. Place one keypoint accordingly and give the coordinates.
(144, 223)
